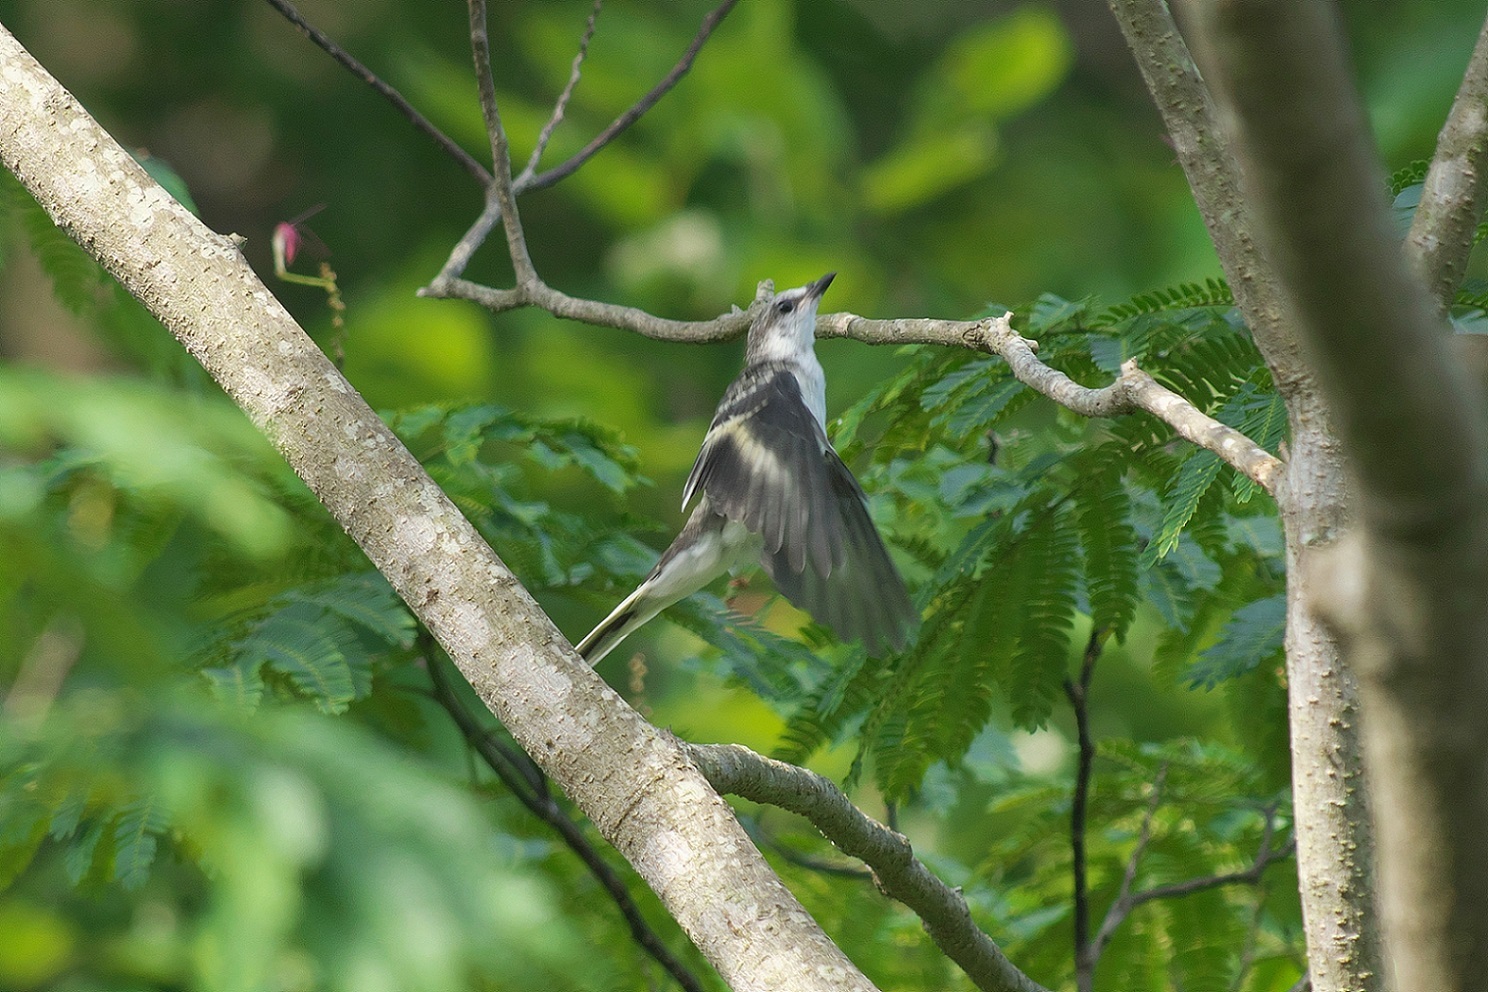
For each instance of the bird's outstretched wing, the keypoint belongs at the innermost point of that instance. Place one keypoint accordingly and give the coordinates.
(767, 464)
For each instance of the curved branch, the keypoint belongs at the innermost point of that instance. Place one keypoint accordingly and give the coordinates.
(733, 768)
(1132, 390)
(620, 124)
(1452, 199)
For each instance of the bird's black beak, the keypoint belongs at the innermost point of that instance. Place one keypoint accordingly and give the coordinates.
(816, 289)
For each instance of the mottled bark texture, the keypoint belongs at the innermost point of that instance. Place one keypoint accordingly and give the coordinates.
(634, 782)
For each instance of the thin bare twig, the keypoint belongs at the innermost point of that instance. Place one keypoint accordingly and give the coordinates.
(620, 124)
(561, 104)
(735, 769)
(1078, 692)
(765, 838)
(526, 782)
(500, 189)
(466, 247)
(345, 58)
(1128, 900)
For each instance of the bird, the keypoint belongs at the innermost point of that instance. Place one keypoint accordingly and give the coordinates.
(773, 492)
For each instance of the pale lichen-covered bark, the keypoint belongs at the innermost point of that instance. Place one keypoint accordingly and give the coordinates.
(641, 791)
(1334, 829)
(1407, 590)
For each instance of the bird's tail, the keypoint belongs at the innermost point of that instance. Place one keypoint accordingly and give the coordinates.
(633, 611)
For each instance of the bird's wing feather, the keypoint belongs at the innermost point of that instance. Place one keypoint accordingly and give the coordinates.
(767, 464)
(864, 598)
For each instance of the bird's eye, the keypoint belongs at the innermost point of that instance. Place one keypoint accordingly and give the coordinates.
(785, 306)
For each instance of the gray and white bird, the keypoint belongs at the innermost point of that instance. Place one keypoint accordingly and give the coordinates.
(774, 492)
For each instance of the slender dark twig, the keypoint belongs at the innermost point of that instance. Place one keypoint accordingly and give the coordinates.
(1304, 984)
(1128, 900)
(500, 191)
(561, 104)
(1248, 876)
(525, 781)
(1123, 905)
(1078, 693)
(763, 837)
(645, 103)
(345, 58)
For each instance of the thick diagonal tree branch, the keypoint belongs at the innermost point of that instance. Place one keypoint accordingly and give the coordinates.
(1334, 832)
(734, 769)
(1411, 599)
(1453, 197)
(634, 782)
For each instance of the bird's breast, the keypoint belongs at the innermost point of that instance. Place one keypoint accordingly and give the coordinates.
(813, 383)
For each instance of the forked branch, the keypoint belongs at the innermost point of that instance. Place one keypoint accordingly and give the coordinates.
(735, 769)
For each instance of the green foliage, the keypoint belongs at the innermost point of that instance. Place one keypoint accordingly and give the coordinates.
(322, 638)
(152, 540)
(1203, 813)
(1023, 529)
(313, 840)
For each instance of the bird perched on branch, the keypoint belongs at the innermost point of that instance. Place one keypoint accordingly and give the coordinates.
(775, 493)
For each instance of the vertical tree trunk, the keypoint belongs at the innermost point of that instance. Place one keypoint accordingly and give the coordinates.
(1335, 842)
(1335, 837)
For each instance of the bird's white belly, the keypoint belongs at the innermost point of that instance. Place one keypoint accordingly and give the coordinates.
(813, 383)
(728, 548)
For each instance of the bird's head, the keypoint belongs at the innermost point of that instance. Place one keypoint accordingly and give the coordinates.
(786, 328)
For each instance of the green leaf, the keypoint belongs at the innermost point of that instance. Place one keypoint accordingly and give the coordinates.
(1051, 314)
(23, 826)
(1195, 476)
(136, 838)
(1254, 634)
(1103, 514)
(160, 171)
(239, 684)
(1046, 577)
(297, 641)
(366, 599)
(77, 280)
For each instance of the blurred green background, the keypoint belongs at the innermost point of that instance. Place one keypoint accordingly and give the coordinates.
(941, 157)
